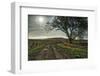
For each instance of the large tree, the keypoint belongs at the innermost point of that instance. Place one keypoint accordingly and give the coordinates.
(73, 27)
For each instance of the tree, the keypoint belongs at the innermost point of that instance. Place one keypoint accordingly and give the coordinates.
(72, 26)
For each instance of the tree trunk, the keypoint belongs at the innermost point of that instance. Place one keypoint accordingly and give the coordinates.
(70, 40)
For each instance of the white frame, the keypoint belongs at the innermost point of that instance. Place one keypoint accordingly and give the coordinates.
(17, 34)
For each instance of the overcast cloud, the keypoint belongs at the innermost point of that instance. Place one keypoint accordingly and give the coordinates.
(36, 25)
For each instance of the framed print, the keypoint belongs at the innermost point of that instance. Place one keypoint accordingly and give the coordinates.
(51, 38)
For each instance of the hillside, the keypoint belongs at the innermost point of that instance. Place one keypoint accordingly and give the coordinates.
(56, 48)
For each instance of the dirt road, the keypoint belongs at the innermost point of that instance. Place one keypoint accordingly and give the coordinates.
(50, 52)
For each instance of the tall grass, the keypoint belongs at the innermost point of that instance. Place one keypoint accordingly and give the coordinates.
(73, 52)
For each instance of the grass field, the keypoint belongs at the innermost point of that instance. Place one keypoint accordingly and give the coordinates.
(56, 48)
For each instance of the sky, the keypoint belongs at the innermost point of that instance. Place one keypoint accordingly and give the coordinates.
(36, 27)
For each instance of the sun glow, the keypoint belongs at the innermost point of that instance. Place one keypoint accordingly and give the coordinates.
(41, 19)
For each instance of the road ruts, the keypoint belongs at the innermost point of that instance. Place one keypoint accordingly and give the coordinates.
(50, 52)
(56, 53)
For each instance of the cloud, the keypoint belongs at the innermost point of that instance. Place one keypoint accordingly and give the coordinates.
(36, 28)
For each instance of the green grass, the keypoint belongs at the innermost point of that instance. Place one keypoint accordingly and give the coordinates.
(73, 52)
(34, 51)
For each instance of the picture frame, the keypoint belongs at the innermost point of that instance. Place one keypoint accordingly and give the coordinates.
(19, 36)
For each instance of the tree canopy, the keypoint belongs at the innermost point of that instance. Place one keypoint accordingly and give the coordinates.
(73, 27)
